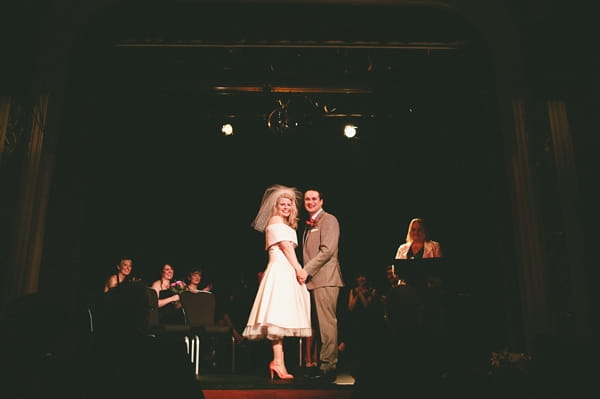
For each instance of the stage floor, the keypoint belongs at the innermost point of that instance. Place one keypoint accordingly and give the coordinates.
(260, 386)
(262, 381)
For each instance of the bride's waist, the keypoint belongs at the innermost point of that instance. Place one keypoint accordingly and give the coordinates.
(276, 253)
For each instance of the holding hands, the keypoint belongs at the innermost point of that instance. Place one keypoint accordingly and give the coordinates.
(301, 275)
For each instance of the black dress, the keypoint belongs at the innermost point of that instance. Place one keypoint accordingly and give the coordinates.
(171, 313)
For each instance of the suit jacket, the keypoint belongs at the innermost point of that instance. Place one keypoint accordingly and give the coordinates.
(432, 250)
(320, 253)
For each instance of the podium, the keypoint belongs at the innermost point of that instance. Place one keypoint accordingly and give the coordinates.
(419, 273)
(415, 310)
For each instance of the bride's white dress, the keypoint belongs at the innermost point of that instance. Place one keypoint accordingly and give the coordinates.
(282, 306)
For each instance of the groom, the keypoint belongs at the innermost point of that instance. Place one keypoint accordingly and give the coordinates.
(324, 280)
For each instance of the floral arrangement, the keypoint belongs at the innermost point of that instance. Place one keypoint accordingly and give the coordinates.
(506, 360)
(312, 223)
(178, 287)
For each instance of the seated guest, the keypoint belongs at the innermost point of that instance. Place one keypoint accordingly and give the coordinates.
(214, 355)
(119, 315)
(122, 275)
(364, 317)
(393, 281)
(392, 277)
(194, 279)
(363, 328)
(169, 307)
(194, 282)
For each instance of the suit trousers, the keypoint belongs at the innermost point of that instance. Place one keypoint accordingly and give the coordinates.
(325, 302)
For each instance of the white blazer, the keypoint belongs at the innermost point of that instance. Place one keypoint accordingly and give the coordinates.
(432, 250)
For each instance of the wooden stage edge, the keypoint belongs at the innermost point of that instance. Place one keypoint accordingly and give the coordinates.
(228, 386)
(277, 394)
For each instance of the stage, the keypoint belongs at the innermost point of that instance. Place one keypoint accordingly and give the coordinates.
(255, 386)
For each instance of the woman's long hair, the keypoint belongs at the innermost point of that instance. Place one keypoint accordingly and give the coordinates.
(268, 206)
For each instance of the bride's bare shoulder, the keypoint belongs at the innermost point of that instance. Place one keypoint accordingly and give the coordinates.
(275, 219)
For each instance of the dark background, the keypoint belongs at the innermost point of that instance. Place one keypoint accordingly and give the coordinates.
(158, 182)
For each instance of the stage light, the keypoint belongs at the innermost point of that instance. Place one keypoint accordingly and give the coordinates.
(350, 130)
(227, 129)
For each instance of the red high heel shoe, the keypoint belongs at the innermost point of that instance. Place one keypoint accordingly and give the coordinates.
(282, 375)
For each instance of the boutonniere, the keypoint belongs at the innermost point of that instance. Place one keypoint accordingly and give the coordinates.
(312, 223)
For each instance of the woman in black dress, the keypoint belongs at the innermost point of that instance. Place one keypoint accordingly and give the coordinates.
(169, 307)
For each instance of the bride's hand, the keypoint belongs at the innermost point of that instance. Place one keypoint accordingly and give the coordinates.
(301, 275)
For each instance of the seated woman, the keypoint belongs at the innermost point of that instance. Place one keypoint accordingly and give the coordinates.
(122, 275)
(362, 325)
(117, 309)
(194, 282)
(169, 307)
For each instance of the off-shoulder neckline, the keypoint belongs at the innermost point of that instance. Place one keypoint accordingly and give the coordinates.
(273, 224)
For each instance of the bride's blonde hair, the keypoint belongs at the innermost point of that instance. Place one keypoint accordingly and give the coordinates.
(292, 219)
(268, 206)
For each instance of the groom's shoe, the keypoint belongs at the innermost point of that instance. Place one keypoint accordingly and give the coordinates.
(311, 372)
(324, 376)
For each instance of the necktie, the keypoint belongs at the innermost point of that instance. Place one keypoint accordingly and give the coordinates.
(307, 228)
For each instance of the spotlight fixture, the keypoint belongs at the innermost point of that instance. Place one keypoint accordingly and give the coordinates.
(350, 130)
(227, 129)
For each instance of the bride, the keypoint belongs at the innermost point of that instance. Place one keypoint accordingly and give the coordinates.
(281, 307)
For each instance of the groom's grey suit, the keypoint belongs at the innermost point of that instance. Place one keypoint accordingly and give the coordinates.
(320, 258)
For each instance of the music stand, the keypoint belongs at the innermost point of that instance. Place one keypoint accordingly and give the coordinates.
(418, 272)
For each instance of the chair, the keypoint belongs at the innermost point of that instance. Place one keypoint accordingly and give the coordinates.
(152, 322)
(199, 310)
(154, 328)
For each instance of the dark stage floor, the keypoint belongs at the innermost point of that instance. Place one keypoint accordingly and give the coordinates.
(259, 385)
